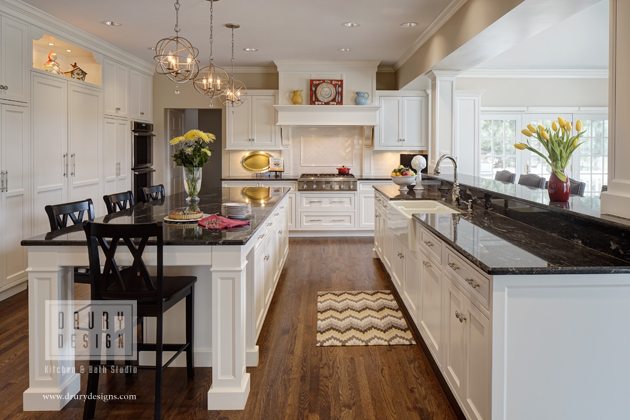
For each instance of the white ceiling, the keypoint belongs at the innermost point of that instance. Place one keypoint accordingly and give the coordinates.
(280, 29)
(579, 42)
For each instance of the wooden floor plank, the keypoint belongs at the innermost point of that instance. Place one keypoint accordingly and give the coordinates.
(294, 380)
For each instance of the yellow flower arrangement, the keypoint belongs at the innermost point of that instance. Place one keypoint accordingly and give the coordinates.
(559, 142)
(193, 150)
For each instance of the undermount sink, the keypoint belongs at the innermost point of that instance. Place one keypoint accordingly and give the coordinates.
(410, 207)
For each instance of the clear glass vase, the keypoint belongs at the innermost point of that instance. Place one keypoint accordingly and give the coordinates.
(192, 183)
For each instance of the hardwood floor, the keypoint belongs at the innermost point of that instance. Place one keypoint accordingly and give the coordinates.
(294, 380)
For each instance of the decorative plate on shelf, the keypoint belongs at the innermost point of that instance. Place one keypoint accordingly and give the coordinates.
(326, 92)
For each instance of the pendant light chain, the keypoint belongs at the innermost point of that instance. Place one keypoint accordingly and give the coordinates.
(176, 17)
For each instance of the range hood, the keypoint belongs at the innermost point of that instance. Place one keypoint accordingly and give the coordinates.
(326, 115)
(356, 76)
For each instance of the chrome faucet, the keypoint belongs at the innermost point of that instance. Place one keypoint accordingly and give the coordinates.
(436, 171)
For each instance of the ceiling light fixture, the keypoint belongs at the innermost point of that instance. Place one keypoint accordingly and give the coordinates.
(236, 90)
(351, 24)
(345, 49)
(110, 23)
(212, 80)
(249, 49)
(68, 51)
(408, 24)
(175, 57)
(51, 44)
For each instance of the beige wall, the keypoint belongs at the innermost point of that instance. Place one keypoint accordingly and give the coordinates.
(537, 91)
(472, 18)
(386, 81)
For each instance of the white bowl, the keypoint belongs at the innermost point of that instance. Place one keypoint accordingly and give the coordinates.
(404, 181)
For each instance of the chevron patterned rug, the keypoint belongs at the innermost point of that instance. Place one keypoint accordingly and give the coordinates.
(360, 318)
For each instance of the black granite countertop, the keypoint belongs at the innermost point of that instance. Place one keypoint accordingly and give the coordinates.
(263, 204)
(588, 206)
(500, 245)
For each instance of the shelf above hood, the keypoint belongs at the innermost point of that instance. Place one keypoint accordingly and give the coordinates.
(326, 115)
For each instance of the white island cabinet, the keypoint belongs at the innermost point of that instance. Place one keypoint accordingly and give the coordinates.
(237, 274)
(513, 345)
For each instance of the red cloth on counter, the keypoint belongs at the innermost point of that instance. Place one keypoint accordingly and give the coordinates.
(219, 222)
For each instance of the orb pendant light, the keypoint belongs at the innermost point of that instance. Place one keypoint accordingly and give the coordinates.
(175, 56)
(236, 91)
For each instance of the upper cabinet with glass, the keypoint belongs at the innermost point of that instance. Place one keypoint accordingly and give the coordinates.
(57, 56)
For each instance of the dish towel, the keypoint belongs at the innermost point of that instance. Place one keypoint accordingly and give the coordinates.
(217, 222)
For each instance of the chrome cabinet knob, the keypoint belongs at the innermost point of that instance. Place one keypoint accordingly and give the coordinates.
(453, 266)
(474, 284)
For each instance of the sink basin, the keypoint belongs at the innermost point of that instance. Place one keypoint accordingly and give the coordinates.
(410, 207)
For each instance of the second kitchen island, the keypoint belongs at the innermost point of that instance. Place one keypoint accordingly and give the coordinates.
(237, 271)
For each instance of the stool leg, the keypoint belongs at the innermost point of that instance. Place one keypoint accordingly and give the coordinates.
(158, 368)
(92, 388)
(189, 334)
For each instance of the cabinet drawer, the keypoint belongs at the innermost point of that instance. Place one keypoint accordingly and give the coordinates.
(326, 221)
(327, 202)
(471, 279)
(431, 245)
(369, 186)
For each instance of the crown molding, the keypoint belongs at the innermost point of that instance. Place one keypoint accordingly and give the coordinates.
(385, 69)
(439, 21)
(535, 73)
(324, 65)
(252, 69)
(55, 26)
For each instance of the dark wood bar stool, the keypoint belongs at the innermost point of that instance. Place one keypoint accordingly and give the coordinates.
(152, 193)
(76, 212)
(119, 201)
(154, 294)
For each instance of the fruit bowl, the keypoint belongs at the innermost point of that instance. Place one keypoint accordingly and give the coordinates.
(404, 181)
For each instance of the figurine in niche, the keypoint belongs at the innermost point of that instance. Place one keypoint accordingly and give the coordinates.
(52, 66)
(76, 73)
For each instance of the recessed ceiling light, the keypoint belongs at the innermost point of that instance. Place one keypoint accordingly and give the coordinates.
(110, 23)
(51, 44)
(249, 49)
(151, 48)
(344, 49)
(68, 51)
(350, 24)
(408, 24)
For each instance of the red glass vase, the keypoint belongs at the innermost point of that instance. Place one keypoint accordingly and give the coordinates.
(559, 191)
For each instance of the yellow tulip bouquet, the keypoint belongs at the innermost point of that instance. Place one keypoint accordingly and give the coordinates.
(559, 141)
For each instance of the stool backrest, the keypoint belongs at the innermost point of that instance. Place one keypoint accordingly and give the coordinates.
(109, 280)
(505, 176)
(75, 212)
(532, 180)
(577, 187)
(152, 193)
(119, 201)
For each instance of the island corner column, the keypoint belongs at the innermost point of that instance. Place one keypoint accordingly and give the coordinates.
(230, 382)
(51, 385)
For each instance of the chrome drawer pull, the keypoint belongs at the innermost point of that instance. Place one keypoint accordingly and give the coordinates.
(315, 220)
(454, 266)
(337, 220)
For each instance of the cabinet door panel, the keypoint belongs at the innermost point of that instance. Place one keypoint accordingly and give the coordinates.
(135, 93)
(109, 87)
(366, 211)
(389, 135)
(263, 126)
(15, 210)
(14, 60)
(238, 126)
(84, 134)
(431, 306)
(109, 156)
(121, 90)
(412, 122)
(146, 99)
(477, 399)
(455, 323)
(123, 156)
(50, 142)
(412, 283)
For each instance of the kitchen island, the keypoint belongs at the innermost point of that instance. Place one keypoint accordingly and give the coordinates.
(522, 319)
(237, 271)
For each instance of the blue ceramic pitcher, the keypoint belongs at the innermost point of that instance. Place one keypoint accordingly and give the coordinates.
(361, 98)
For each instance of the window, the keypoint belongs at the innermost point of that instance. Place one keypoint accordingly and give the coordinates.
(500, 131)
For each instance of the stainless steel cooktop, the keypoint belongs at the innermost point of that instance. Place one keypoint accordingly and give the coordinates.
(327, 182)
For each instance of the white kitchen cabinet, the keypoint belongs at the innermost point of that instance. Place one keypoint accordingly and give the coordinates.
(365, 207)
(116, 155)
(140, 96)
(115, 88)
(478, 364)
(402, 123)
(67, 132)
(455, 324)
(15, 178)
(252, 125)
(411, 292)
(15, 60)
(430, 319)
